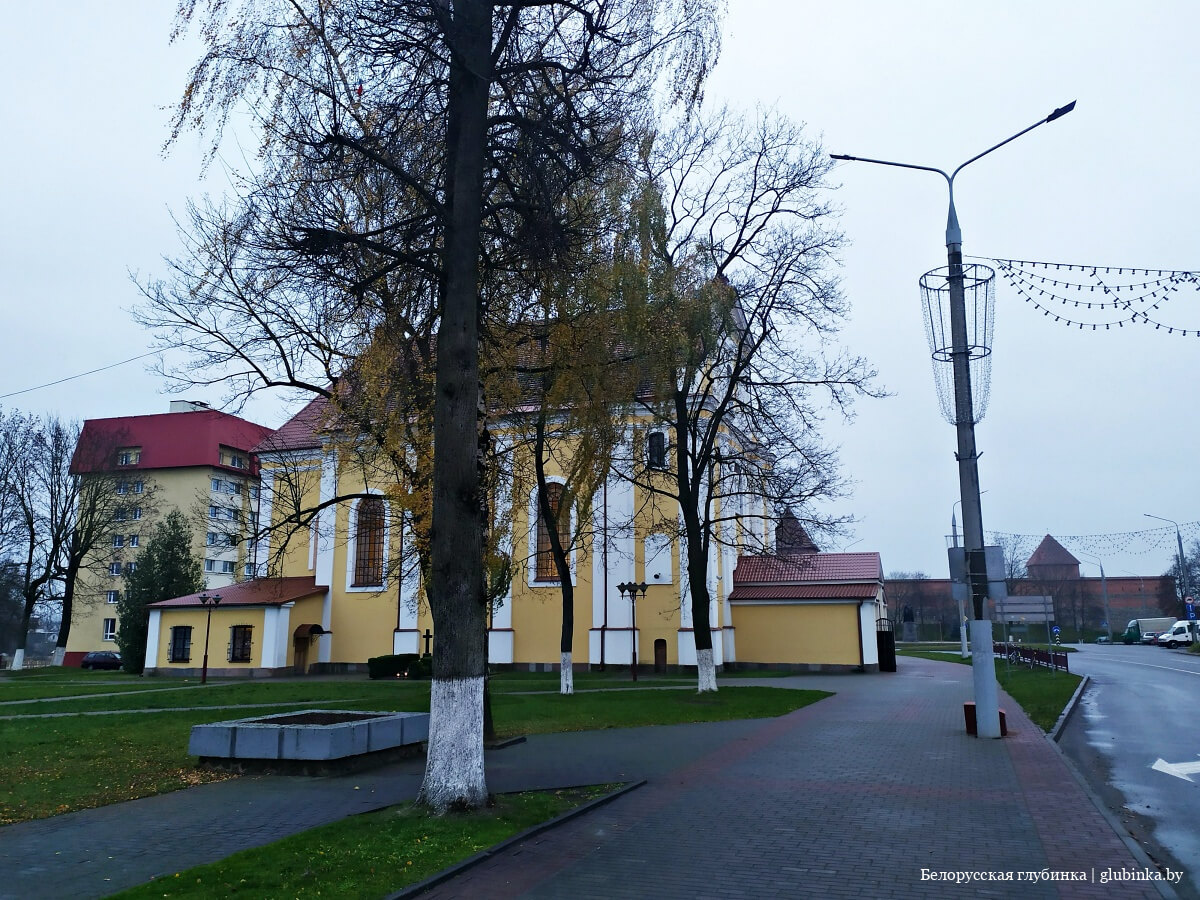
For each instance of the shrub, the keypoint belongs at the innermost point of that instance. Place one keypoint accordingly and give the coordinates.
(400, 665)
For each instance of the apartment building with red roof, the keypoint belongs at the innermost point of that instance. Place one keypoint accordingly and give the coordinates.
(193, 458)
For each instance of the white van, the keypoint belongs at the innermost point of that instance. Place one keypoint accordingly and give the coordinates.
(1180, 634)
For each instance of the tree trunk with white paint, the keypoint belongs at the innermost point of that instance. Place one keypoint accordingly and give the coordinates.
(706, 672)
(566, 681)
(18, 661)
(454, 774)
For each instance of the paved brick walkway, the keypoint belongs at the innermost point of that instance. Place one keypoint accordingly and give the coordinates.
(850, 797)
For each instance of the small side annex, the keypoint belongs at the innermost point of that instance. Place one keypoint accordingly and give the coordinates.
(260, 627)
(808, 610)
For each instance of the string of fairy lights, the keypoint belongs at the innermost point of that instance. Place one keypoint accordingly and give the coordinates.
(1101, 546)
(1101, 298)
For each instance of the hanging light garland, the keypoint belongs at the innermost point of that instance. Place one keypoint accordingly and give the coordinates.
(1133, 543)
(1119, 294)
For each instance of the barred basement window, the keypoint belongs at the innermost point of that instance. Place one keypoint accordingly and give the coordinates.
(240, 643)
(368, 543)
(181, 644)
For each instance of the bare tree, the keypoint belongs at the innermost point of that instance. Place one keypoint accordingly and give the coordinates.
(60, 517)
(732, 304)
(98, 498)
(427, 147)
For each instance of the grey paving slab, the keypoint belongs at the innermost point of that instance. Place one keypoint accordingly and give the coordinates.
(851, 797)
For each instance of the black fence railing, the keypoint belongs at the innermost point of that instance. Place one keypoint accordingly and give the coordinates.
(1031, 656)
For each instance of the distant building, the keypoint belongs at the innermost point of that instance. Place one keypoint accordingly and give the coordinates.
(194, 459)
(1053, 571)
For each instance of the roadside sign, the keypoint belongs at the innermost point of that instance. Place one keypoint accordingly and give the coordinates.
(1191, 611)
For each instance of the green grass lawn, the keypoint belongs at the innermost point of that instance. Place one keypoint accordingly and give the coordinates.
(371, 855)
(1042, 693)
(51, 764)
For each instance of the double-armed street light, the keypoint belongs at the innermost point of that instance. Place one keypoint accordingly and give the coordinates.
(209, 603)
(633, 589)
(960, 354)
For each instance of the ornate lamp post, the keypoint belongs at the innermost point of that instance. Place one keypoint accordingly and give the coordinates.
(633, 589)
(961, 351)
(209, 603)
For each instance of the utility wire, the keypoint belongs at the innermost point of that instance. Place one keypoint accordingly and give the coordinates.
(80, 375)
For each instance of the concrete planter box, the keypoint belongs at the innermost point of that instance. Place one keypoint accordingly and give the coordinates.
(315, 735)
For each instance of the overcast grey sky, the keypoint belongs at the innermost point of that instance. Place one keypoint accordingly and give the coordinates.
(1085, 431)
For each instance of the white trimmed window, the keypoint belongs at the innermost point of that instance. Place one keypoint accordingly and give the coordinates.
(138, 487)
(110, 629)
(210, 539)
(370, 541)
(227, 567)
(656, 450)
(114, 568)
(216, 485)
(112, 596)
(134, 540)
(210, 565)
(542, 571)
(137, 512)
(122, 487)
(118, 540)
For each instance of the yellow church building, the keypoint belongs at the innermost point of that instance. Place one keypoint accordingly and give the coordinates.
(335, 582)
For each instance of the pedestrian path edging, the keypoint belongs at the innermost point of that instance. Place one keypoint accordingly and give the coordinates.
(1056, 732)
(432, 881)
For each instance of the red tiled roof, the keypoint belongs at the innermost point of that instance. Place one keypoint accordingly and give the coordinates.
(167, 440)
(861, 591)
(1051, 553)
(809, 567)
(259, 592)
(300, 432)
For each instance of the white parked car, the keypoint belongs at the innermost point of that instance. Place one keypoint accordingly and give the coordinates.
(1180, 634)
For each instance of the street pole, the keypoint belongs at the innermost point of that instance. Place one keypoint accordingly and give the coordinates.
(962, 616)
(1184, 587)
(987, 700)
(1104, 592)
(208, 603)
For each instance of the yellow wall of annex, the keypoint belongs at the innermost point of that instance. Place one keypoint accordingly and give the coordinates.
(797, 633)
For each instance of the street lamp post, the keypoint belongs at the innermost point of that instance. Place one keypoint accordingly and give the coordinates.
(987, 701)
(962, 615)
(1183, 579)
(1104, 590)
(209, 603)
(633, 589)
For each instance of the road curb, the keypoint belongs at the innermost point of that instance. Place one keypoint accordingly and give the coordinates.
(446, 874)
(1164, 889)
(1065, 716)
